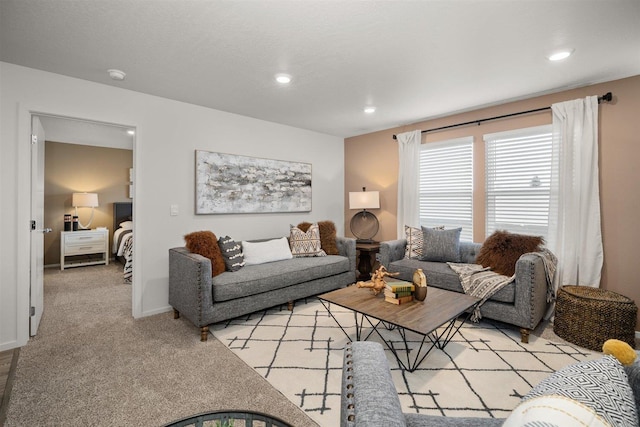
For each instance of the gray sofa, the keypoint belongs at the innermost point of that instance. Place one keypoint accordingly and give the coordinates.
(369, 396)
(204, 300)
(522, 303)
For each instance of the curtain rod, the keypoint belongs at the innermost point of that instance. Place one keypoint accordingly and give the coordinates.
(607, 97)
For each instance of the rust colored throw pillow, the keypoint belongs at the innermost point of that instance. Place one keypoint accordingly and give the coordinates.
(327, 235)
(502, 250)
(205, 243)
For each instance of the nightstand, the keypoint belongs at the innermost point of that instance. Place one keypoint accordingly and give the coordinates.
(366, 259)
(84, 242)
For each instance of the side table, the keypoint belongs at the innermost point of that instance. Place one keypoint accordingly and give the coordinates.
(589, 316)
(366, 258)
(84, 242)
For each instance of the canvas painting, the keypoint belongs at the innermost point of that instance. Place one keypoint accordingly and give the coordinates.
(228, 183)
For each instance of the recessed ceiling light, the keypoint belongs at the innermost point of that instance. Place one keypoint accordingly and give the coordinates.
(369, 110)
(560, 55)
(283, 78)
(131, 132)
(117, 74)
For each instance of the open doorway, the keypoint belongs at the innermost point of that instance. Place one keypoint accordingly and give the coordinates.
(83, 157)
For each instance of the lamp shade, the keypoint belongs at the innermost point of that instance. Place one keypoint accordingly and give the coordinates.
(84, 200)
(364, 200)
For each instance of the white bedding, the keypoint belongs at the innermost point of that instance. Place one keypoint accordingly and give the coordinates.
(118, 248)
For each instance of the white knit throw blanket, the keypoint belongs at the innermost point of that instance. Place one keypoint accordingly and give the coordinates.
(481, 282)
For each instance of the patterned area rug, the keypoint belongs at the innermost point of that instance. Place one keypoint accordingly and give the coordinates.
(483, 371)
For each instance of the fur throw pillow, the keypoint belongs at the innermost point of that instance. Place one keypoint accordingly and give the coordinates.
(327, 235)
(502, 250)
(205, 243)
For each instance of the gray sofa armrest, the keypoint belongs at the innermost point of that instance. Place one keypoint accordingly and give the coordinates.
(190, 289)
(347, 247)
(369, 397)
(392, 250)
(531, 291)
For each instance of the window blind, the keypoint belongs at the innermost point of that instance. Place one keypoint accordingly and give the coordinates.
(446, 185)
(518, 178)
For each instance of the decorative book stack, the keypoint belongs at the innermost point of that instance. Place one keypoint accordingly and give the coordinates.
(398, 292)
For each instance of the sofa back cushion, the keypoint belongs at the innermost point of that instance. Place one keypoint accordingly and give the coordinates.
(441, 245)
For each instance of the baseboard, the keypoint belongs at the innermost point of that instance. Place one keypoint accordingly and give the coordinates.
(156, 311)
(8, 386)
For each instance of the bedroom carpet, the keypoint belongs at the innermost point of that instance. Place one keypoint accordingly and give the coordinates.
(482, 372)
(93, 364)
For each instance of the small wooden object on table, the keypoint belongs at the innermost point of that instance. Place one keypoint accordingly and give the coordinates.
(377, 282)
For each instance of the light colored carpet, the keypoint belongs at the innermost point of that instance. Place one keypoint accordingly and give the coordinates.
(484, 371)
(93, 364)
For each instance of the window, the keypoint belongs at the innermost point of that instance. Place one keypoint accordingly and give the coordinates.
(446, 185)
(518, 176)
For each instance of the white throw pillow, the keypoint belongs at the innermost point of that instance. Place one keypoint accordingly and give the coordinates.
(127, 225)
(269, 251)
(552, 411)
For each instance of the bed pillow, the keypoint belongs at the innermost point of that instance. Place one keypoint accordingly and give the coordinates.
(601, 385)
(231, 253)
(502, 250)
(328, 236)
(205, 243)
(305, 244)
(127, 225)
(441, 245)
(268, 251)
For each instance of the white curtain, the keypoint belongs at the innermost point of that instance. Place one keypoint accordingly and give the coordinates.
(574, 222)
(408, 182)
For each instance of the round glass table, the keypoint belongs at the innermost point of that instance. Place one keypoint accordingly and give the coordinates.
(230, 419)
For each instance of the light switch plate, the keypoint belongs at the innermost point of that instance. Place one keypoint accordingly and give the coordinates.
(174, 210)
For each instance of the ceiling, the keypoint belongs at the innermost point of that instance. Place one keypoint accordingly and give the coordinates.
(412, 60)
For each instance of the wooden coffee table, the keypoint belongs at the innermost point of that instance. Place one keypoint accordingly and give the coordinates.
(434, 319)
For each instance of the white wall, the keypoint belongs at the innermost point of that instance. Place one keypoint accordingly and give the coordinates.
(168, 133)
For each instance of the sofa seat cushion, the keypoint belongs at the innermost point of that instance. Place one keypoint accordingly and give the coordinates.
(256, 279)
(440, 275)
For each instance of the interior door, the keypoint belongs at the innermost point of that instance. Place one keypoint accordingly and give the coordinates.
(37, 227)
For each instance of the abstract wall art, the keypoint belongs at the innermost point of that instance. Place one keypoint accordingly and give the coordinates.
(228, 184)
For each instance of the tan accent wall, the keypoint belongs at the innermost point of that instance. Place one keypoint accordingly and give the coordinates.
(372, 160)
(71, 168)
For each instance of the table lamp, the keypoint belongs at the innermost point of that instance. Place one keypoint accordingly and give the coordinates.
(85, 200)
(364, 225)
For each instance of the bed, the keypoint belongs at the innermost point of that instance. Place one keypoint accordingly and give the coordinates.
(122, 245)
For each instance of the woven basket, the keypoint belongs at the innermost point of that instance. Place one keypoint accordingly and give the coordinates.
(589, 316)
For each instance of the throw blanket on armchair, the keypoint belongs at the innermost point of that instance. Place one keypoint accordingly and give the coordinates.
(481, 282)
